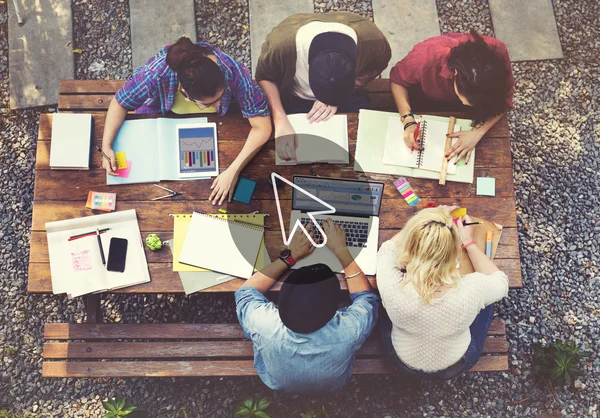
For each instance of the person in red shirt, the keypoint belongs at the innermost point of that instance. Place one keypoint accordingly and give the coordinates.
(457, 71)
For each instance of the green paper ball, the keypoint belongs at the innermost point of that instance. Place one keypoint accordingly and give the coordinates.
(153, 242)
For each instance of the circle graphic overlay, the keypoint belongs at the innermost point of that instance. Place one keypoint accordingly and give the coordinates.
(319, 206)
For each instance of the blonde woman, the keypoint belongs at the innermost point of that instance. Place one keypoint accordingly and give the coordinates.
(437, 320)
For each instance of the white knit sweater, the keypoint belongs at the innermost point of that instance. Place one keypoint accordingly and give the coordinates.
(434, 336)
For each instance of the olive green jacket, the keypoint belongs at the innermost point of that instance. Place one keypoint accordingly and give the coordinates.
(277, 61)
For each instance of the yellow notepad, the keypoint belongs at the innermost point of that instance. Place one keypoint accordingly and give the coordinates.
(182, 223)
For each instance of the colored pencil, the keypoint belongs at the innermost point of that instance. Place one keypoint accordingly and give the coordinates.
(74, 237)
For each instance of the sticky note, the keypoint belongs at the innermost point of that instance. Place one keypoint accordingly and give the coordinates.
(458, 213)
(486, 186)
(245, 189)
(121, 160)
(125, 171)
(406, 191)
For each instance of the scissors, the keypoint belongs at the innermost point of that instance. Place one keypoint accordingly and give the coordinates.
(172, 193)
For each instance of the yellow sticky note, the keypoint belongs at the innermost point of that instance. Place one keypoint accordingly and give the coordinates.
(121, 160)
(458, 213)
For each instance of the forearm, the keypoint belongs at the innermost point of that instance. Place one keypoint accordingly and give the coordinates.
(365, 78)
(265, 279)
(272, 92)
(400, 94)
(258, 136)
(358, 283)
(481, 263)
(481, 130)
(114, 119)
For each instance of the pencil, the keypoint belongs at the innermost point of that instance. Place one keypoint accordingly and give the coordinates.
(100, 246)
(472, 223)
(85, 234)
(103, 153)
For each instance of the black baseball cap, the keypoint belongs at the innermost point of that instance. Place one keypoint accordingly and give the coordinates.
(309, 298)
(332, 67)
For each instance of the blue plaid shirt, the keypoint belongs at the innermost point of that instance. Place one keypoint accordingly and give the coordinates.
(152, 88)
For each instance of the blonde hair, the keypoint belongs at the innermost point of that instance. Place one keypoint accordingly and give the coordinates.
(428, 247)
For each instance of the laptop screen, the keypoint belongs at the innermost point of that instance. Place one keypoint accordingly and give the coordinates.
(348, 197)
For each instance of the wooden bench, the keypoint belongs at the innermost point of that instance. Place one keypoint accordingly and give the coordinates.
(124, 350)
(175, 350)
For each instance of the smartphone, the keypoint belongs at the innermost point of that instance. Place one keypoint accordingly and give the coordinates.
(117, 254)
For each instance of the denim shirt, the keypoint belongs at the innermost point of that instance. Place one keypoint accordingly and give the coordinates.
(319, 362)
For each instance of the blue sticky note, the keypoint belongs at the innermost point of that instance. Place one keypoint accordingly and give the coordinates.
(486, 186)
(245, 189)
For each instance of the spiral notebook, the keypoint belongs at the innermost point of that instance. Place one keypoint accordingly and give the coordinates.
(432, 136)
(221, 245)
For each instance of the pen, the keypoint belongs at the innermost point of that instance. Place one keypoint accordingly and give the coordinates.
(472, 223)
(488, 244)
(87, 234)
(100, 246)
(417, 131)
(103, 153)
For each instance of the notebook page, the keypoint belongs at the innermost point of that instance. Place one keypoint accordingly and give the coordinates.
(330, 136)
(218, 245)
(395, 150)
(71, 136)
(435, 146)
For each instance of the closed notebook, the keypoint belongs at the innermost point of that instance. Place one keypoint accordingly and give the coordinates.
(222, 246)
(71, 139)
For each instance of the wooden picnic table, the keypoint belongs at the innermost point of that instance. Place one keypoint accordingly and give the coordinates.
(61, 194)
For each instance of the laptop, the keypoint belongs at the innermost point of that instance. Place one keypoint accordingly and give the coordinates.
(357, 205)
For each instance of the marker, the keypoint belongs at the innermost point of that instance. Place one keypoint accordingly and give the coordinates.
(417, 131)
(223, 211)
(488, 243)
(100, 246)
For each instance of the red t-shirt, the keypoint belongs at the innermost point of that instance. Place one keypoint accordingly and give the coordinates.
(427, 64)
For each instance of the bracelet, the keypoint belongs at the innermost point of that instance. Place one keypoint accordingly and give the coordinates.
(405, 116)
(409, 124)
(353, 275)
(468, 244)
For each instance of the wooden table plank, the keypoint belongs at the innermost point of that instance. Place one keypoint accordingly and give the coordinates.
(154, 216)
(507, 247)
(194, 349)
(165, 280)
(178, 331)
(93, 369)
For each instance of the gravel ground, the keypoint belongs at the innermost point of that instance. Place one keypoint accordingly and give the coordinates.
(556, 152)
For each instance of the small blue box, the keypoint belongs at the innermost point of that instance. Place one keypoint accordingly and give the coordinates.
(244, 190)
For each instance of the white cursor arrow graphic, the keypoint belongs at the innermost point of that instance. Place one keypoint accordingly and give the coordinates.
(329, 211)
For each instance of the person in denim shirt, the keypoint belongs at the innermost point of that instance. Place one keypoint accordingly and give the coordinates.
(306, 344)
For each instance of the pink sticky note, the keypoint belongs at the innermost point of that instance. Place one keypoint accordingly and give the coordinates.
(124, 172)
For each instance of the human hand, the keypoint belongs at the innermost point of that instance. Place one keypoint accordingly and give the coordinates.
(111, 167)
(466, 233)
(409, 138)
(223, 186)
(286, 140)
(464, 146)
(336, 237)
(300, 246)
(321, 112)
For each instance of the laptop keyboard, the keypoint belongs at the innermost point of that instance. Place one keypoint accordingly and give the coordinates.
(357, 232)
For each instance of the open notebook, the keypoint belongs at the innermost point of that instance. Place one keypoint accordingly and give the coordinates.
(76, 266)
(321, 142)
(221, 245)
(432, 136)
(153, 148)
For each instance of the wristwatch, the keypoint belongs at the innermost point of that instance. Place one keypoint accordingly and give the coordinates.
(286, 257)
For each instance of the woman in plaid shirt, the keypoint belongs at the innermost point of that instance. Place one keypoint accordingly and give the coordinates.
(193, 78)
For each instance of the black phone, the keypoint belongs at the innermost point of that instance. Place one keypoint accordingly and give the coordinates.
(117, 254)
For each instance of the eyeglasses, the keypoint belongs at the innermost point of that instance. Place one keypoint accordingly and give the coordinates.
(200, 105)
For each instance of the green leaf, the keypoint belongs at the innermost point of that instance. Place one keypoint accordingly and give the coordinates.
(78, 51)
(242, 411)
(130, 409)
(261, 414)
(120, 403)
(248, 403)
(263, 404)
(109, 406)
(110, 414)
